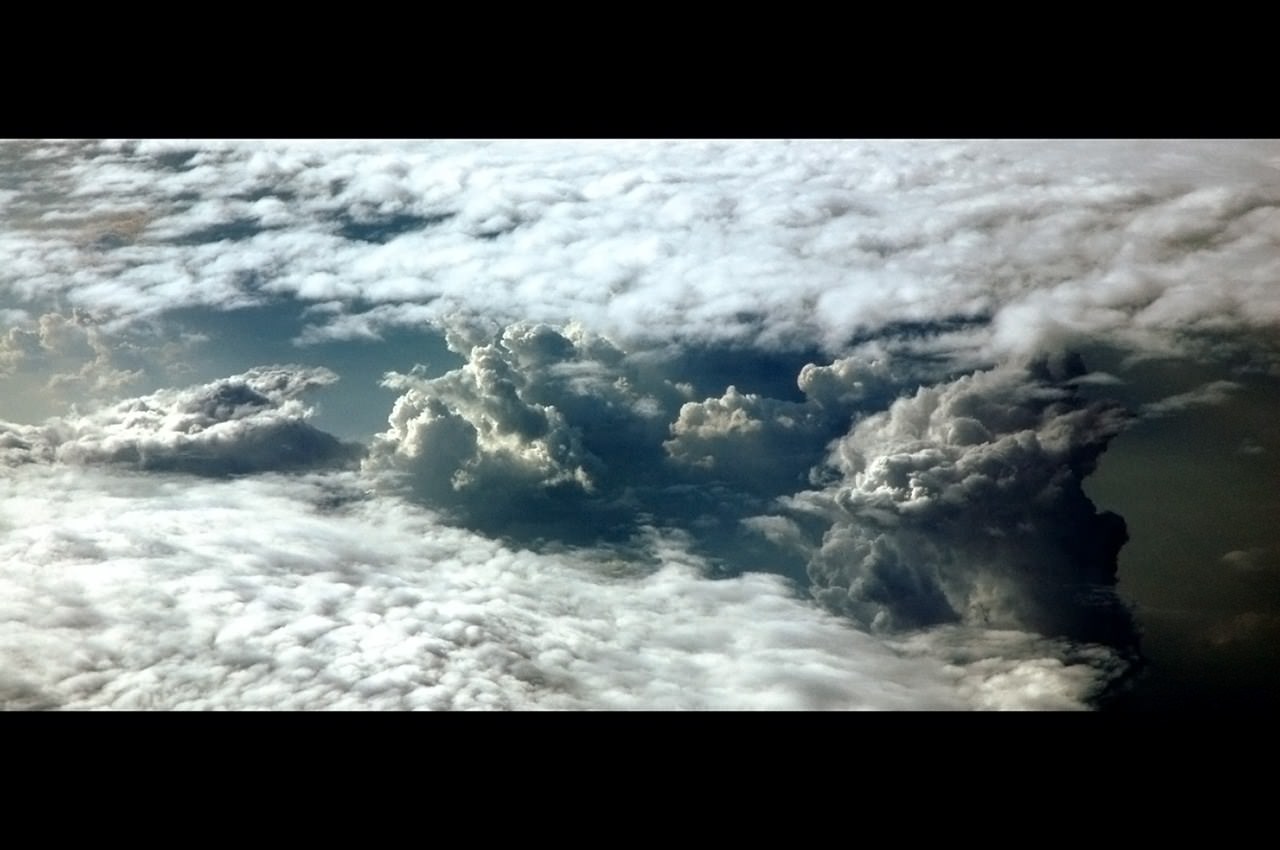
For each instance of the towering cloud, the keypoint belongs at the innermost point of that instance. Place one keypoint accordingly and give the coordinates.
(963, 504)
(959, 502)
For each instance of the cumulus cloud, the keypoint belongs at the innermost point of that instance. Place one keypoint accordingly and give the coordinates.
(560, 433)
(124, 590)
(963, 504)
(959, 502)
(246, 423)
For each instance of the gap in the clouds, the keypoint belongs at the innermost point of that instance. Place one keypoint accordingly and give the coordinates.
(1194, 486)
(712, 369)
(380, 230)
(353, 409)
(905, 330)
(235, 230)
(178, 160)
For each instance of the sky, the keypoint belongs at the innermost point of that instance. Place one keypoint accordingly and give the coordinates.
(694, 424)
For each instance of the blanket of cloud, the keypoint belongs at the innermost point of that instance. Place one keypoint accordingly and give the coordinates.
(1005, 246)
(130, 590)
(691, 384)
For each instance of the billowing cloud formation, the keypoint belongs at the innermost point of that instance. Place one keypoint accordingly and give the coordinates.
(535, 422)
(963, 503)
(148, 591)
(955, 503)
(561, 433)
(246, 423)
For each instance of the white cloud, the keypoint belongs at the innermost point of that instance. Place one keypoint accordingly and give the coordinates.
(587, 286)
(764, 243)
(245, 423)
(143, 591)
(55, 342)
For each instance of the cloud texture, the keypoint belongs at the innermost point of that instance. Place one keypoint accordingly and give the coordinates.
(130, 591)
(724, 424)
(987, 248)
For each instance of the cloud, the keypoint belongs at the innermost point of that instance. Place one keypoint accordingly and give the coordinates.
(963, 504)
(126, 590)
(972, 251)
(844, 363)
(246, 423)
(1253, 560)
(560, 434)
(74, 343)
(959, 502)
(1210, 394)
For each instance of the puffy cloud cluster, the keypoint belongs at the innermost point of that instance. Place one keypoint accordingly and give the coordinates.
(532, 425)
(839, 362)
(957, 502)
(561, 434)
(242, 424)
(134, 591)
(963, 504)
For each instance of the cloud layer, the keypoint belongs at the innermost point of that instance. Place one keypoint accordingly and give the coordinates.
(130, 591)
(977, 250)
(697, 384)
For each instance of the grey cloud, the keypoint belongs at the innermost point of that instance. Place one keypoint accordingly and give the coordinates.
(246, 423)
(1253, 560)
(563, 433)
(1214, 393)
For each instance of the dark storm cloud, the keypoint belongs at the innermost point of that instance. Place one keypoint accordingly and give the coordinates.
(246, 423)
